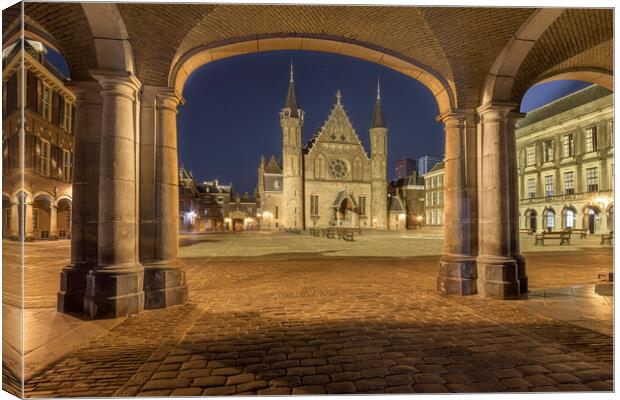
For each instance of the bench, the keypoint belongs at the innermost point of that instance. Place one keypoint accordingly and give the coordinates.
(607, 238)
(562, 236)
(329, 233)
(528, 231)
(347, 233)
(314, 232)
(582, 232)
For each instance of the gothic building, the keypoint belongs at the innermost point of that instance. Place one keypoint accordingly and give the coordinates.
(331, 180)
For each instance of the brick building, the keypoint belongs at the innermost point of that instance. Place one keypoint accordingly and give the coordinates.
(49, 124)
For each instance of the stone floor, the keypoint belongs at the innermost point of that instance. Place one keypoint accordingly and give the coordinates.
(306, 315)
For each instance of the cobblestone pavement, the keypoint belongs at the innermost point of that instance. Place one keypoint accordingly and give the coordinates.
(298, 323)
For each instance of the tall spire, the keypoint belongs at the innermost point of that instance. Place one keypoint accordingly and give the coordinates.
(378, 119)
(291, 97)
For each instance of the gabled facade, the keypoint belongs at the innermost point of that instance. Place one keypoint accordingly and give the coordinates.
(330, 181)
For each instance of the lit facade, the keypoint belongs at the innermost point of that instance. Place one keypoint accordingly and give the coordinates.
(434, 195)
(49, 124)
(565, 162)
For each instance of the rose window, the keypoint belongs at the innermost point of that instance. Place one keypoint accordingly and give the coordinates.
(338, 168)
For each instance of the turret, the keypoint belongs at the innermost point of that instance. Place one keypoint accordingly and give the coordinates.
(378, 158)
(291, 122)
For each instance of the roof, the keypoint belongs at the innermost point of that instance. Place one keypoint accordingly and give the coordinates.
(273, 167)
(378, 119)
(439, 166)
(566, 103)
(396, 205)
(291, 97)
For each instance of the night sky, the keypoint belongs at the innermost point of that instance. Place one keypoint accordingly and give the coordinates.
(230, 117)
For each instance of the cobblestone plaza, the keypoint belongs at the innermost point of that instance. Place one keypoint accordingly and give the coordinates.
(300, 314)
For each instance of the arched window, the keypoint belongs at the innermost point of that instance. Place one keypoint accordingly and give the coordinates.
(549, 219)
(570, 216)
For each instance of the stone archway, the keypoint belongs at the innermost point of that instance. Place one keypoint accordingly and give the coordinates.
(592, 215)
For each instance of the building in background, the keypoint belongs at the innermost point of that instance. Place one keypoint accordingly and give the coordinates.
(405, 167)
(565, 162)
(212, 206)
(433, 204)
(410, 191)
(269, 193)
(49, 124)
(426, 163)
(331, 180)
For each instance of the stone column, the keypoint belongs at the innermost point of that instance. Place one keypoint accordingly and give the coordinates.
(14, 229)
(115, 287)
(457, 273)
(53, 221)
(164, 274)
(513, 182)
(28, 220)
(85, 198)
(497, 270)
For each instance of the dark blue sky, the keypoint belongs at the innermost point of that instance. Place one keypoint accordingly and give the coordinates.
(230, 117)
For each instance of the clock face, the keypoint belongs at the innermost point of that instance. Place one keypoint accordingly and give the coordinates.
(338, 168)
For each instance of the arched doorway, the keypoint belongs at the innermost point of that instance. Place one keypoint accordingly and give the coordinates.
(549, 219)
(531, 220)
(346, 213)
(43, 222)
(591, 218)
(569, 217)
(63, 217)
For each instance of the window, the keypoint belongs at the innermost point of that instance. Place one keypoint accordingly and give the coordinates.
(591, 140)
(66, 118)
(570, 218)
(66, 165)
(44, 166)
(531, 188)
(568, 145)
(530, 155)
(550, 219)
(569, 183)
(440, 182)
(549, 185)
(362, 205)
(314, 205)
(548, 150)
(35, 218)
(434, 199)
(439, 198)
(46, 109)
(592, 179)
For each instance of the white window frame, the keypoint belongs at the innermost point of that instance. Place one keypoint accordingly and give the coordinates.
(45, 157)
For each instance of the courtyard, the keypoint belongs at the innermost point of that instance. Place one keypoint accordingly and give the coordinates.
(279, 313)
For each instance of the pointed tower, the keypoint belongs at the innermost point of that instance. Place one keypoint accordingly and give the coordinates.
(291, 122)
(378, 159)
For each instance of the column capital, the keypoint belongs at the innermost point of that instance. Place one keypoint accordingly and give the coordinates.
(499, 111)
(117, 83)
(456, 117)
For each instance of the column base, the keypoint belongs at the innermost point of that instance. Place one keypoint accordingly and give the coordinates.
(113, 292)
(457, 275)
(73, 287)
(497, 277)
(521, 274)
(164, 284)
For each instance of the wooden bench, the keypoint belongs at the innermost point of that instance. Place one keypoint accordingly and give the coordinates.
(347, 233)
(528, 231)
(329, 233)
(314, 232)
(607, 238)
(582, 232)
(562, 236)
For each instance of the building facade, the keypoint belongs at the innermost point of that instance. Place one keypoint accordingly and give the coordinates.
(331, 180)
(212, 206)
(565, 161)
(434, 193)
(426, 163)
(48, 142)
(410, 191)
(404, 168)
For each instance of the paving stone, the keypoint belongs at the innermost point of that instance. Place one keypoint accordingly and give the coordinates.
(275, 391)
(219, 391)
(600, 385)
(301, 371)
(226, 371)
(428, 378)
(516, 383)
(167, 383)
(209, 381)
(241, 378)
(341, 387)
(317, 389)
(370, 384)
(398, 380)
(430, 388)
(252, 386)
(316, 380)
(288, 381)
(564, 377)
(195, 391)
(374, 372)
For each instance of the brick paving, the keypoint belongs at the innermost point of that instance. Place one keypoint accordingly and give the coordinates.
(310, 324)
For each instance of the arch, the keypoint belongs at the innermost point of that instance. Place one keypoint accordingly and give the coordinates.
(112, 45)
(195, 58)
(319, 167)
(569, 217)
(549, 218)
(45, 195)
(501, 77)
(63, 198)
(16, 198)
(531, 219)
